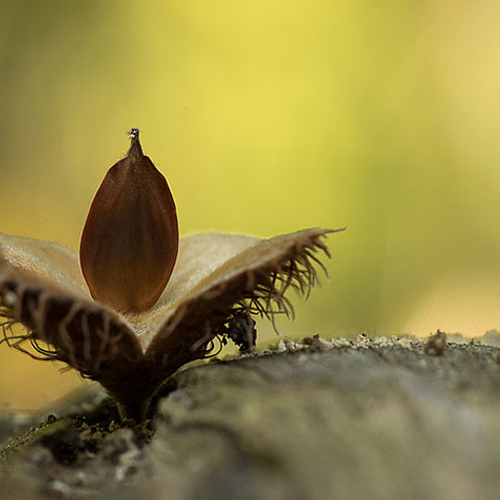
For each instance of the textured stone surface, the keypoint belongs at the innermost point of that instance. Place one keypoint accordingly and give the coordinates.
(391, 418)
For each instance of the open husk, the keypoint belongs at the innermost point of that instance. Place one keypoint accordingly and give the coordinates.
(131, 354)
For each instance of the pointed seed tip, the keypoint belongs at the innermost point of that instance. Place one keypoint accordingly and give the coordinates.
(135, 145)
(133, 133)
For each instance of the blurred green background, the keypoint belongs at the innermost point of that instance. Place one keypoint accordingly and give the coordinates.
(266, 117)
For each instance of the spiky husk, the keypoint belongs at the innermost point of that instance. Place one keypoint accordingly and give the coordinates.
(100, 344)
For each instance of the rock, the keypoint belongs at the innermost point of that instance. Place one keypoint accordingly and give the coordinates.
(312, 419)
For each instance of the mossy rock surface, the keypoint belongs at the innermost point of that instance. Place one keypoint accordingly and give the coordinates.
(384, 419)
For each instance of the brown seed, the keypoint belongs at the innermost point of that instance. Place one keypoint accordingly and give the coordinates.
(130, 240)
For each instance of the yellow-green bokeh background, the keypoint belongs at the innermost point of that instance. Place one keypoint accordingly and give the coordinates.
(266, 117)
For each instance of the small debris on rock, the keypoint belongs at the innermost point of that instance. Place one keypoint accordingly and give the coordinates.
(342, 342)
(436, 344)
(287, 345)
(362, 341)
(316, 343)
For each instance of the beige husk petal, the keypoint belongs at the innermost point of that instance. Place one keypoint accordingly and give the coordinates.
(254, 279)
(243, 265)
(42, 289)
(54, 263)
